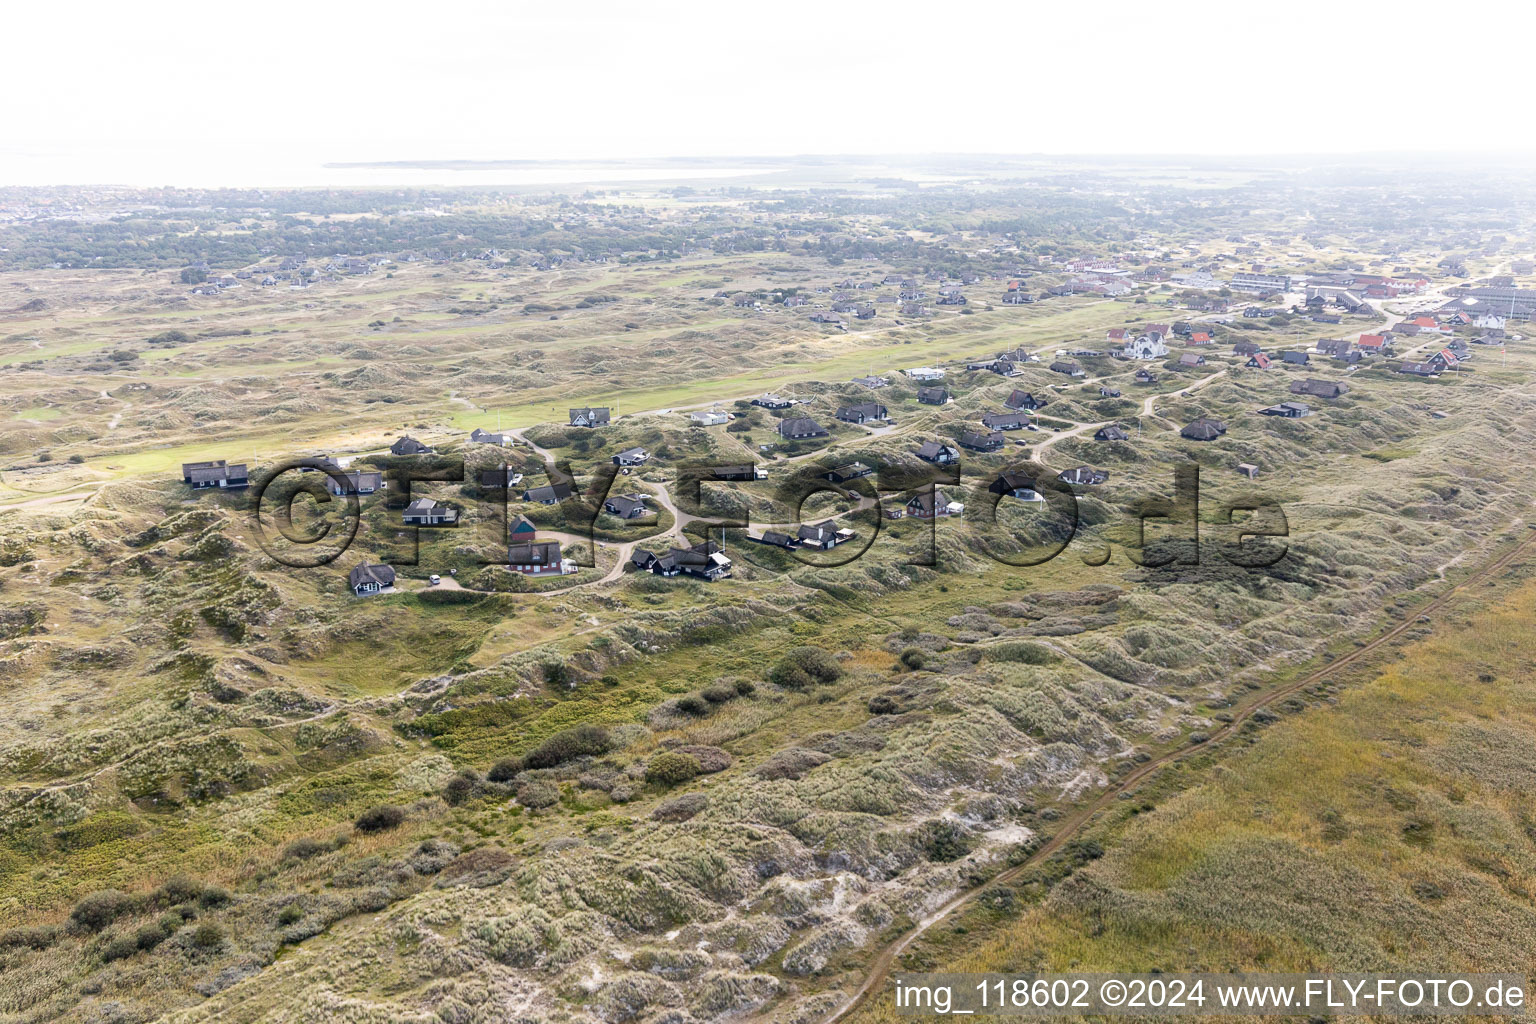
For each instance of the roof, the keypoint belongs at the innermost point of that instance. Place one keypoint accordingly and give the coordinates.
(363, 574)
(625, 506)
(1010, 480)
(976, 439)
(549, 492)
(932, 450)
(538, 552)
(1204, 429)
(1083, 475)
(865, 410)
(209, 474)
(1320, 388)
(503, 477)
(928, 500)
(799, 425)
(406, 443)
(1020, 399)
(818, 531)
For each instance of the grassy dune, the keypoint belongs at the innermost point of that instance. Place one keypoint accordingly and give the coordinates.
(1387, 826)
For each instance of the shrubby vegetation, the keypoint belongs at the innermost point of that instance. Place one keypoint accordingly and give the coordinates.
(805, 667)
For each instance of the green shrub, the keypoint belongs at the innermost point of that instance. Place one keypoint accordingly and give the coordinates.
(213, 896)
(914, 658)
(719, 693)
(746, 687)
(37, 937)
(460, 788)
(804, 667)
(379, 819)
(151, 935)
(119, 948)
(178, 889)
(941, 841)
(1020, 651)
(100, 909)
(208, 936)
(505, 770)
(581, 741)
(693, 704)
(671, 768)
(291, 914)
(881, 704)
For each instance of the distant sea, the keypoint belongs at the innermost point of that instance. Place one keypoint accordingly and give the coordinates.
(257, 170)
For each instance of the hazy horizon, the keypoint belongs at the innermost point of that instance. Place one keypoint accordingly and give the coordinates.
(199, 96)
(790, 171)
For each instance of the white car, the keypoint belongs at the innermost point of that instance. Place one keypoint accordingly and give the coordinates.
(434, 580)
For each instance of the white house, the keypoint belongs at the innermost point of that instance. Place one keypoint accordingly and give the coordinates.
(1145, 346)
(925, 373)
(427, 512)
(713, 417)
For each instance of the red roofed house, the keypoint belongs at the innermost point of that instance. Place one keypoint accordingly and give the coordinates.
(1116, 334)
(1259, 360)
(1199, 338)
(1373, 343)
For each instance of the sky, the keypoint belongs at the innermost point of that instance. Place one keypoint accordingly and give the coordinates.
(206, 93)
